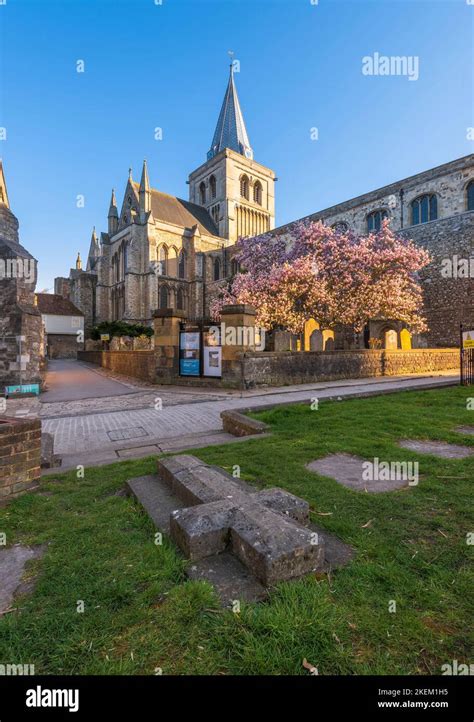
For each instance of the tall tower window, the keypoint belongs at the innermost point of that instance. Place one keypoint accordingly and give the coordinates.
(182, 265)
(257, 193)
(202, 193)
(470, 196)
(244, 187)
(424, 209)
(163, 259)
(213, 186)
(217, 269)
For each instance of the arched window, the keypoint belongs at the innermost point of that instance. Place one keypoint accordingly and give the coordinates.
(374, 220)
(212, 186)
(202, 194)
(257, 193)
(244, 187)
(163, 297)
(217, 269)
(340, 227)
(470, 196)
(180, 299)
(424, 209)
(163, 259)
(234, 267)
(172, 266)
(182, 265)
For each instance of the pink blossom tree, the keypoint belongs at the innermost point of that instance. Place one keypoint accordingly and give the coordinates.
(332, 276)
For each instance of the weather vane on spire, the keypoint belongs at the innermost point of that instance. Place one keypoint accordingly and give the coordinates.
(230, 53)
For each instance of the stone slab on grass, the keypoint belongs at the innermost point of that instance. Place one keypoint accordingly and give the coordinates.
(12, 567)
(348, 471)
(465, 430)
(239, 539)
(437, 448)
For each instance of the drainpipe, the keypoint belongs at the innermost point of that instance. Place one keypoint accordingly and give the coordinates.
(401, 206)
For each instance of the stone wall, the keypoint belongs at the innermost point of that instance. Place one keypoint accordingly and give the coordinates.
(287, 368)
(448, 301)
(62, 345)
(136, 364)
(20, 455)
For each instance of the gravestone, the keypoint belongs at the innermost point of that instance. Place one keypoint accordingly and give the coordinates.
(266, 530)
(239, 539)
(443, 449)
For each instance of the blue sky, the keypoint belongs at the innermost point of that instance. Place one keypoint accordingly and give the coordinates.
(166, 65)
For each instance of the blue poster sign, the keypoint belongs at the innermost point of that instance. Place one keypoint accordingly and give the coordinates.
(190, 353)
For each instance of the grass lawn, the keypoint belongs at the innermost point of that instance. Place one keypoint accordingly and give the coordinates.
(142, 614)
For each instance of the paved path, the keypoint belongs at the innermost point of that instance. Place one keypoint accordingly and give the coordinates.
(69, 380)
(104, 437)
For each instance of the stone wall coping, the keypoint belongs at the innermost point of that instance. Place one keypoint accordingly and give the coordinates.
(9, 424)
(238, 308)
(348, 352)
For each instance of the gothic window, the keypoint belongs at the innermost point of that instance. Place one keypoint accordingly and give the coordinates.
(424, 209)
(217, 269)
(163, 259)
(470, 196)
(212, 186)
(163, 297)
(244, 187)
(374, 220)
(172, 262)
(234, 267)
(215, 213)
(340, 227)
(180, 299)
(202, 194)
(129, 199)
(257, 193)
(182, 265)
(125, 256)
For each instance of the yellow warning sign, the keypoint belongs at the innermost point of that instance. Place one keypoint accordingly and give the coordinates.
(468, 339)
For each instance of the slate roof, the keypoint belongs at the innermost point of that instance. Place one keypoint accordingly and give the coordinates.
(56, 305)
(181, 213)
(230, 130)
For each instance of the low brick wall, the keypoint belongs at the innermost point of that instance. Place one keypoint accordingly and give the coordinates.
(287, 367)
(137, 364)
(20, 455)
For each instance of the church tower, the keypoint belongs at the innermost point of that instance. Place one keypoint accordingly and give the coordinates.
(238, 192)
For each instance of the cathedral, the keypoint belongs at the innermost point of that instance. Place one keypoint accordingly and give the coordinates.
(160, 251)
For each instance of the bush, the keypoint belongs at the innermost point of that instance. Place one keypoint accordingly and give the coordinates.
(120, 328)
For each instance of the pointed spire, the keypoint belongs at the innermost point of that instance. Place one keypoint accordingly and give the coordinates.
(78, 263)
(230, 130)
(113, 205)
(94, 251)
(3, 187)
(144, 193)
(144, 183)
(113, 216)
(130, 174)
